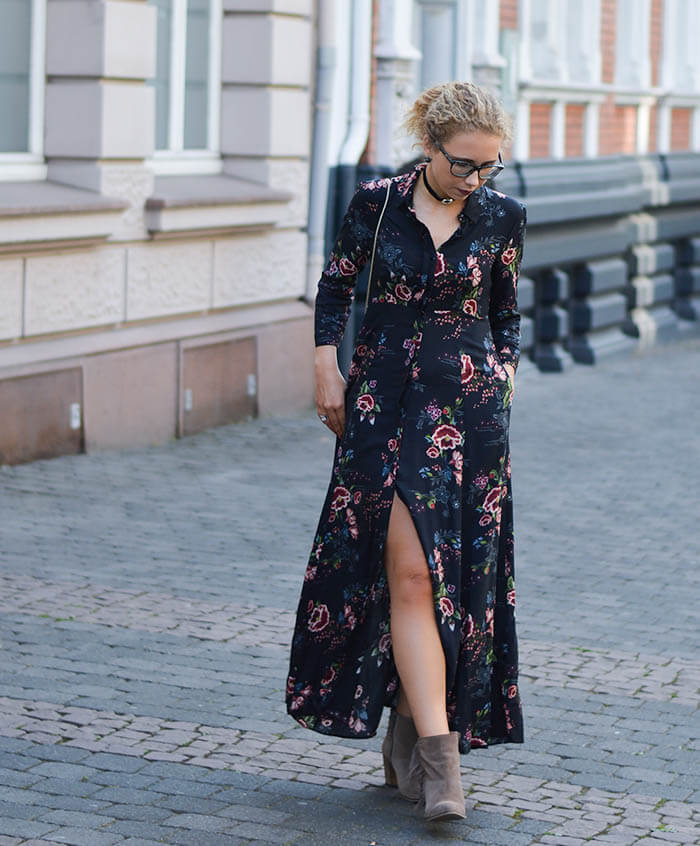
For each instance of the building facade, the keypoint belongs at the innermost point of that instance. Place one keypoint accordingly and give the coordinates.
(171, 172)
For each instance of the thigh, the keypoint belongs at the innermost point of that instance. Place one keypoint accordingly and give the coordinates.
(403, 552)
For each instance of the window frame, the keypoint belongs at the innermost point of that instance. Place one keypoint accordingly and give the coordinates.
(176, 159)
(31, 165)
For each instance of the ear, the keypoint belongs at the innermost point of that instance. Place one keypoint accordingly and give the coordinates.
(428, 148)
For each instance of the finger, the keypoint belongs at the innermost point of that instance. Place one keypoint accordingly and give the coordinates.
(334, 422)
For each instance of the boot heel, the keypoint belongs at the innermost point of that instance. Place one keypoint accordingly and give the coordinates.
(390, 774)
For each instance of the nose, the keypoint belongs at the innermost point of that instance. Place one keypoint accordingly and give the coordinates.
(473, 179)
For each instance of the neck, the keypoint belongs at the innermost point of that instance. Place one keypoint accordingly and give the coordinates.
(446, 201)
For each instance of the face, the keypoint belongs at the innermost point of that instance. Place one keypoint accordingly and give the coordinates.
(476, 147)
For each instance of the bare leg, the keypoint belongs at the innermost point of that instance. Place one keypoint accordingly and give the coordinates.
(418, 652)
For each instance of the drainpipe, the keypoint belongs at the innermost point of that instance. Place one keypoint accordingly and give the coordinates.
(320, 150)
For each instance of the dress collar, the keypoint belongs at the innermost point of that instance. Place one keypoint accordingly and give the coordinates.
(406, 184)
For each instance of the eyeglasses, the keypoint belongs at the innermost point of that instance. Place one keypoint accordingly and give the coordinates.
(465, 167)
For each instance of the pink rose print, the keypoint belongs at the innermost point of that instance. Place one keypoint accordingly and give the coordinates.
(362, 350)
(329, 676)
(508, 256)
(432, 452)
(403, 292)
(341, 497)
(446, 607)
(358, 691)
(365, 402)
(467, 367)
(469, 307)
(350, 618)
(480, 481)
(347, 268)
(485, 519)
(319, 618)
(469, 625)
(352, 523)
(492, 499)
(440, 265)
(472, 261)
(357, 497)
(446, 437)
(476, 274)
(385, 642)
(510, 597)
(512, 690)
(489, 620)
(392, 444)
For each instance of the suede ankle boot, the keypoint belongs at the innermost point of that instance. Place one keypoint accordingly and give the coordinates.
(397, 749)
(436, 759)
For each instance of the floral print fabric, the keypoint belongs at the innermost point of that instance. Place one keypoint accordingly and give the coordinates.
(427, 415)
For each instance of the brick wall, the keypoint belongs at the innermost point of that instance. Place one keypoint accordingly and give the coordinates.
(608, 29)
(574, 129)
(540, 122)
(680, 129)
(509, 14)
(653, 118)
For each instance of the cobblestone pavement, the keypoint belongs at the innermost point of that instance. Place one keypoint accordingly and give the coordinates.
(147, 599)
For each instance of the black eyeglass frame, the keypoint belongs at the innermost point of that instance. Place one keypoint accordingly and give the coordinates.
(494, 169)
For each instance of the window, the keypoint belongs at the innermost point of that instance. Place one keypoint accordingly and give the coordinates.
(565, 41)
(632, 61)
(187, 85)
(435, 35)
(22, 47)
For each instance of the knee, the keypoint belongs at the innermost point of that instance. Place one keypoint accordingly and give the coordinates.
(411, 584)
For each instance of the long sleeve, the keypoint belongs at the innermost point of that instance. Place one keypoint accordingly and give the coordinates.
(352, 249)
(503, 307)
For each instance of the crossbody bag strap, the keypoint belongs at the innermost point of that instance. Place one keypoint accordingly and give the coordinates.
(374, 245)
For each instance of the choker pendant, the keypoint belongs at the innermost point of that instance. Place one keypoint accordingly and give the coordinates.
(446, 201)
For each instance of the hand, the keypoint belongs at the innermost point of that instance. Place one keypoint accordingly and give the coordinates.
(330, 389)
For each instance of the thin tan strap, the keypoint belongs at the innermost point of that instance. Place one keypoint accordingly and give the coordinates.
(374, 245)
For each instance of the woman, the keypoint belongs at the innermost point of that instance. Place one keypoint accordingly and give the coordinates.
(408, 598)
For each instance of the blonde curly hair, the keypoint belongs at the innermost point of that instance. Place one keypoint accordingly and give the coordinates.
(441, 111)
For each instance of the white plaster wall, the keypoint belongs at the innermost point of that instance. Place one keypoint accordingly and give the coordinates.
(168, 278)
(291, 175)
(116, 39)
(11, 298)
(287, 7)
(74, 290)
(276, 121)
(99, 119)
(255, 268)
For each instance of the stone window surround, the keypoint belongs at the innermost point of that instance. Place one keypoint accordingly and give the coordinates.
(50, 215)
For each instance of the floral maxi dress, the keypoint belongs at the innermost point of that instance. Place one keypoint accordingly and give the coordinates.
(427, 415)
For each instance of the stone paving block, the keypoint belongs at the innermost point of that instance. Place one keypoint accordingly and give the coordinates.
(58, 769)
(65, 787)
(24, 828)
(142, 813)
(245, 813)
(127, 795)
(19, 811)
(12, 778)
(84, 837)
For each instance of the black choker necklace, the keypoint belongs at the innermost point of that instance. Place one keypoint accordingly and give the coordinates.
(445, 201)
